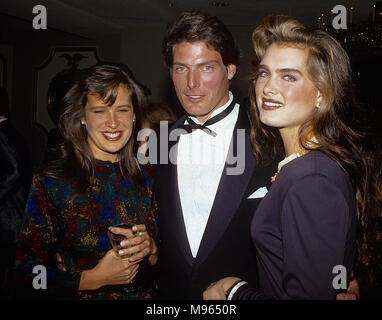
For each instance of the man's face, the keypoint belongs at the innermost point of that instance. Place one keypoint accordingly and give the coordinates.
(200, 78)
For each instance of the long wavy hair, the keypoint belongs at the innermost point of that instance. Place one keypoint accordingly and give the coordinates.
(74, 158)
(340, 126)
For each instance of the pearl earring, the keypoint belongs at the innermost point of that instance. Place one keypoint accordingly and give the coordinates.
(318, 105)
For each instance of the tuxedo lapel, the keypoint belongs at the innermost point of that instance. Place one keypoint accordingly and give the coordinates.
(230, 191)
(176, 207)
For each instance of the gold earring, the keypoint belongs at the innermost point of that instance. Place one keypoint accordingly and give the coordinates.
(318, 105)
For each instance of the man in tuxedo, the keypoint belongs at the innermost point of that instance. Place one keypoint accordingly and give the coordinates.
(207, 190)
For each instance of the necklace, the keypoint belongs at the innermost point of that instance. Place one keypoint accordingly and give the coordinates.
(284, 162)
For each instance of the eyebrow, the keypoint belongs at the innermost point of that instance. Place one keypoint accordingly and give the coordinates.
(282, 70)
(198, 64)
(120, 106)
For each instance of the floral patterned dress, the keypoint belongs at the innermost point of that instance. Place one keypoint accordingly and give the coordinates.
(62, 220)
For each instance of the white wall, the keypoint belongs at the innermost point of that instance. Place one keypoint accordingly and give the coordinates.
(141, 52)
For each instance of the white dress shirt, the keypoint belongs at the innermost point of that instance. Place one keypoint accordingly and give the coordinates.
(201, 159)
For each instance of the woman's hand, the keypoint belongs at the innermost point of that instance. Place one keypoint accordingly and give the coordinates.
(217, 290)
(110, 270)
(139, 244)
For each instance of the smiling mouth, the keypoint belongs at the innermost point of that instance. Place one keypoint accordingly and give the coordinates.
(194, 96)
(112, 136)
(271, 104)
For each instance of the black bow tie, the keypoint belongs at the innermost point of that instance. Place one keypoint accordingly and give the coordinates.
(192, 125)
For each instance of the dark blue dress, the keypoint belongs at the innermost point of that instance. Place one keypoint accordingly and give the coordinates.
(302, 229)
(60, 220)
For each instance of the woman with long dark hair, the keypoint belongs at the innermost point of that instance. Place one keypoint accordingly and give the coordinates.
(93, 184)
(321, 218)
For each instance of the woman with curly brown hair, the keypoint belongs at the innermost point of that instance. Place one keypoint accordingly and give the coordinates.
(325, 199)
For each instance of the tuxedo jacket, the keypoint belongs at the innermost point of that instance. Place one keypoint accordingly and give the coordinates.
(226, 248)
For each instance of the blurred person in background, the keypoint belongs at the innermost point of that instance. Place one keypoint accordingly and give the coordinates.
(15, 179)
(152, 115)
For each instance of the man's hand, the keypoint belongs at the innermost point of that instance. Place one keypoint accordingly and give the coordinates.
(352, 293)
(217, 290)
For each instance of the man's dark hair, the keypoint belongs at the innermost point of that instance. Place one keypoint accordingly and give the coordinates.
(194, 26)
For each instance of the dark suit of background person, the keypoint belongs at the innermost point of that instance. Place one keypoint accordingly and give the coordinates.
(226, 246)
(15, 178)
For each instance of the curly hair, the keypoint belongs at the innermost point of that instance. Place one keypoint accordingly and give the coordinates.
(340, 127)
